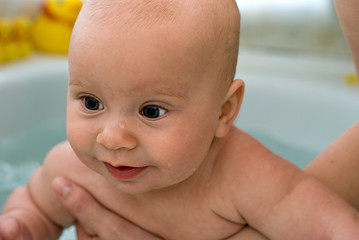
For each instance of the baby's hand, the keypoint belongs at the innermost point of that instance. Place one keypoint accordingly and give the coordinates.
(13, 229)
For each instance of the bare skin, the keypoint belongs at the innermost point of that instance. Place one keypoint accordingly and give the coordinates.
(133, 105)
(228, 224)
(324, 167)
(339, 160)
(347, 11)
(338, 165)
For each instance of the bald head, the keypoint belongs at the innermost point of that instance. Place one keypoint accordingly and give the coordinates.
(133, 13)
(211, 25)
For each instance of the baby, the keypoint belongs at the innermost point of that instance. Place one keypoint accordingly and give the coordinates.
(151, 105)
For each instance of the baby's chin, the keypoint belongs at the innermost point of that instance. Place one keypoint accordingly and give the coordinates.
(143, 185)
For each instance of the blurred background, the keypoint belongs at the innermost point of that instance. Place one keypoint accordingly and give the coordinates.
(270, 25)
(301, 89)
(292, 25)
(35, 25)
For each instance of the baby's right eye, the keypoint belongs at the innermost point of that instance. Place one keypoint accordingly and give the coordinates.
(92, 104)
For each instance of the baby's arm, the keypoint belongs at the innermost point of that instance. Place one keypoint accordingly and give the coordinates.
(311, 211)
(282, 202)
(34, 209)
(22, 219)
(314, 212)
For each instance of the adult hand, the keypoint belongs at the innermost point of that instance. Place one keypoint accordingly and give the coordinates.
(248, 233)
(111, 226)
(94, 221)
(347, 11)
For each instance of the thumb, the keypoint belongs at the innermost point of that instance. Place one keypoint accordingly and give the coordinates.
(77, 201)
(95, 220)
(82, 233)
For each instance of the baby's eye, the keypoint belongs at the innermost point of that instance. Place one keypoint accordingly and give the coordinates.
(92, 103)
(151, 111)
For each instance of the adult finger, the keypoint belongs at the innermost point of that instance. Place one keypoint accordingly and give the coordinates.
(88, 212)
(248, 233)
(82, 233)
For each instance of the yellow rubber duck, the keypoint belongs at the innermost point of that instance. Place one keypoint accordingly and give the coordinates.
(351, 79)
(21, 36)
(4, 29)
(7, 46)
(51, 31)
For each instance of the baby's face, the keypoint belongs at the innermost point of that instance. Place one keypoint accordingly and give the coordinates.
(142, 109)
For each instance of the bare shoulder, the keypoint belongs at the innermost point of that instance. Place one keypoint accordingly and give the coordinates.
(247, 156)
(60, 161)
(268, 191)
(255, 178)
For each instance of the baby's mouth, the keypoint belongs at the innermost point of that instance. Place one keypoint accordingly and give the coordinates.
(124, 172)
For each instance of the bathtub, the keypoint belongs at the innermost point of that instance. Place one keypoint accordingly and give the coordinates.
(33, 99)
(296, 105)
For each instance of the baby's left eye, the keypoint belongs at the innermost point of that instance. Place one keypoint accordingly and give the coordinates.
(152, 111)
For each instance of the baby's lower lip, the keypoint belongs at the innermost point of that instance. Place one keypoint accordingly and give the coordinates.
(124, 172)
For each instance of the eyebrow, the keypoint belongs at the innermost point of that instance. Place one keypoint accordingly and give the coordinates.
(170, 92)
(76, 83)
(161, 91)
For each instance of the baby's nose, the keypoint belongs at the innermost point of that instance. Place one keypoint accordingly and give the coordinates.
(116, 136)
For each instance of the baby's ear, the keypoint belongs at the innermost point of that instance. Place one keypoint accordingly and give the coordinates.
(230, 107)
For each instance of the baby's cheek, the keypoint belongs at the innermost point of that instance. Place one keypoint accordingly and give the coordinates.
(78, 137)
(81, 145)
(182, 158)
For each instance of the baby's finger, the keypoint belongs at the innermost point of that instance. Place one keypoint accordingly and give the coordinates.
(9, 228)
(77, 201)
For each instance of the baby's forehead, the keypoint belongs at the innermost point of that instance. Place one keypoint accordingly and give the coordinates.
(142, 13)
(180, 21)
(202, 28)
(200, 22)
(134, 12)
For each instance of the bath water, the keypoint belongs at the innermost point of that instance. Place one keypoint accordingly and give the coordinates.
(23, 152)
